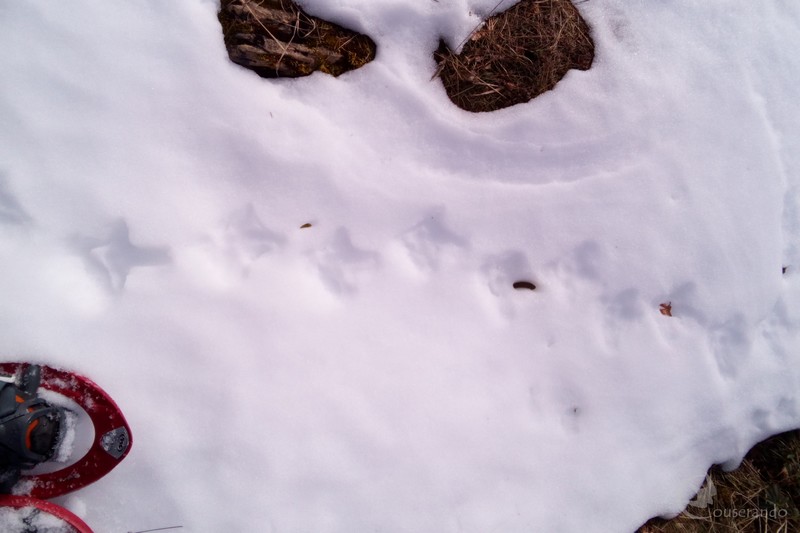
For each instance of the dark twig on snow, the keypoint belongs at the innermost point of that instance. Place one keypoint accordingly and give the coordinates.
(156, 529)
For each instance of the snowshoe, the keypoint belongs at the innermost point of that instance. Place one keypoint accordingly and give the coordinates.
(112, 435)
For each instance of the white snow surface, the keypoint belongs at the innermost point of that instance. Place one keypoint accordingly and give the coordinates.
(25, 518)
(377, 371)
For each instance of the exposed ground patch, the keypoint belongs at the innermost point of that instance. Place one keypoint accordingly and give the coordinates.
(276, 38)
(516, 55)
(761, 496)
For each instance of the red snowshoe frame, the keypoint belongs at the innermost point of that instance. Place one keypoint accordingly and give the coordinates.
(20, 502)
(112, 435)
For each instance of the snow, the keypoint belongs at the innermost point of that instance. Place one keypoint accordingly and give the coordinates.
(28, 517)
(66, 447)
(76, 433)
(377, 371)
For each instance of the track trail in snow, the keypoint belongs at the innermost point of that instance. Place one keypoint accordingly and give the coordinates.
(302, 292)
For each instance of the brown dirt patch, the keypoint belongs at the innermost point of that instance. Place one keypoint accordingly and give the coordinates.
(516, 55)
(276, 38)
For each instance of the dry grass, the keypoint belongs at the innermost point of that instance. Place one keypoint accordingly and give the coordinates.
(512, 57)
(516, 55)
(761, 496)
(276, 38)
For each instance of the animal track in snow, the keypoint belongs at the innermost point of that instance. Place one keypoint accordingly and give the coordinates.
(245, 238)
(731, 345)
(621, 311)
(112, 258)
(341, 263)
(430, 240)
(684, 302)
(11, 212)
(503, 269)
(500, 272)
(625, 305)
(585, 261)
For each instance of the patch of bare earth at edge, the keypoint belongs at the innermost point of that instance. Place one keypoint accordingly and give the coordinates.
(761, 496)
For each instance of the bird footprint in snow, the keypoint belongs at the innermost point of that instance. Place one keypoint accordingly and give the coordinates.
(246, 238)
(111, 259)
(341, 263)
(429, 241)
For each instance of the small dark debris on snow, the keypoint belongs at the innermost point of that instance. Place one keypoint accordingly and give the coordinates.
(665, 308)
(785, 269)
(524, 285)
(306, 225)
(277, 39)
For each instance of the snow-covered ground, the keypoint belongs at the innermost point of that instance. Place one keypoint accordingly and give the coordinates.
(377, 371)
